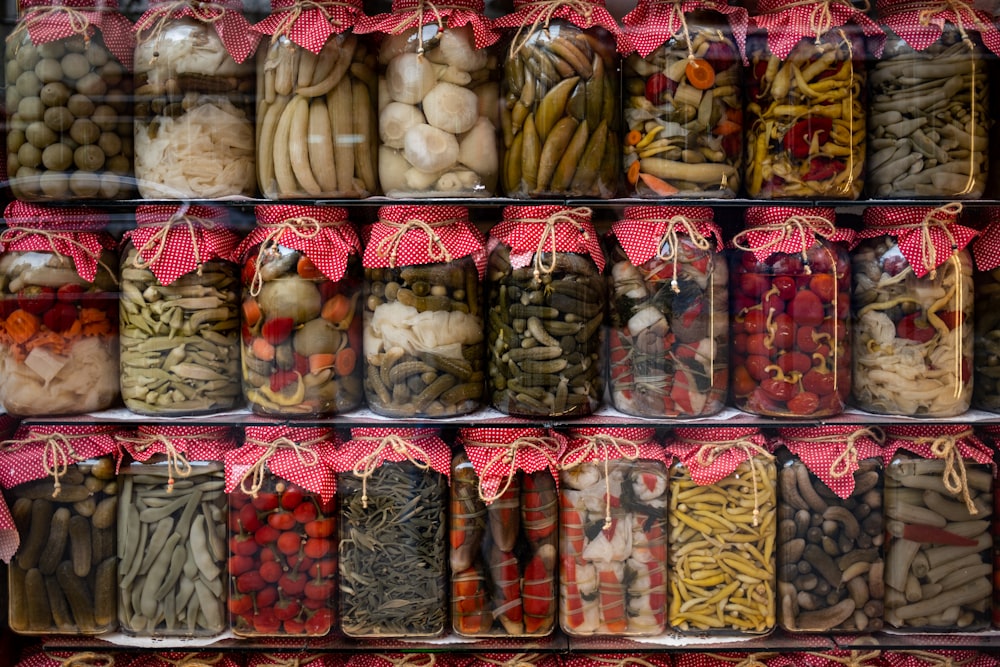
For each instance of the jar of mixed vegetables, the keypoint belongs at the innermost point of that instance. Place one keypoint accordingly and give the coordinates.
(806, 99)
(669, 313)
(59, 301)
(502, 528)
(939, 507)
(683, 98)
(547, 302)
(791, 298)
(316, 93)
(929, 113)
(301, 304)
(63, 577)
(172, 529)
(282, 532)
(612, 533)
(423, 321)
(438, 114)
(830, 561)
(194, 101)
(986, 283)
(559, 110)
(179, 308)
(913, 302)
(393, 495)
(722, 531)
(68, 93)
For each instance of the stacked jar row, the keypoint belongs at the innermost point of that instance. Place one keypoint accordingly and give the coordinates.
(440, 111)
(418, 322)
(290, 531)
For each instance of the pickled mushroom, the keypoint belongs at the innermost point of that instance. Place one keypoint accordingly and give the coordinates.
(451, 108)
(477, 150)
(392, 168)
(410, 77)
(437, 332)
(457, 49)
(429, 149)
(395, 120)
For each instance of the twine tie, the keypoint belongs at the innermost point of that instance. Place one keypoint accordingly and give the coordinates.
(625, 661)
(855, 659)
(820, 17)
(751, 660)
(548, 235)
(416, 19)
(506, 456)
(296, 661)
(79, 24)
(293, 13)
(846, 461)
(708, 452)
(57, 453)
(388, 246)
(796, 225)
(194, 660)
(958, 8)
(305, 227)
(604, 447)
(11, 236)
(670, 239)
(548, 8)
(954, 476)
(178, 465)
(366, 466)
(516, 660)
(256, 472)
(411, 660)
(157, 243)
(85, 659)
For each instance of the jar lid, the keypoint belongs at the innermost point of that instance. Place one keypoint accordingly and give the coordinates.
(530, 231)
(535, 14)
(927, 236)
(788, 21)
(654, 22)
(643, 231)
(36, 450)
(407, 235)
(497, 454)
(920, 23)
(51, 20)
(301, 455)
(175, 240)
(226, 16)
(369, 448)
(310, 23)
(409, 14)
(779, 229)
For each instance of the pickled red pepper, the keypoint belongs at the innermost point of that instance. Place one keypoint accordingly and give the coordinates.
(683, 98)
(613, 543)
(805, 108)
(504, 512)
(791, 298)
(669, 313)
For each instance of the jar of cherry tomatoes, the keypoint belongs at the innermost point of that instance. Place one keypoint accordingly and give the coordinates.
(791, 298)
(301, 322)
(282, 532)
(59, 301)
(669, 313)
(683, 98)
(913, 300)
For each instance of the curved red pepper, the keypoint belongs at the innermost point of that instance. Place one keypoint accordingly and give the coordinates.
(822, 168)
(798, 140)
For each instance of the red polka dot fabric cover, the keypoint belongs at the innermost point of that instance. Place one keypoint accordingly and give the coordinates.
(176, 659)
(920, 440)
(77, 233)
(832, 453)
(788, 21)
(511, 660)
(172, 240)
(395, 444)
(35, 656)
(324, 234)
(712, 454)
(50, 20)
(225, 15)
(838, 658)
(926, 236)
(496, 453)
(302, 455)
(736, 659)
(780, 229)
(919, 24)
(401, 660)
(654, 22)
(195, 443)
(310, 24)
(947, 658)
(642, 229)
(409, 14)
(256, 659)
(986, 246)
(593, 445)
(528, 229)
(581, 13)
(410, 235)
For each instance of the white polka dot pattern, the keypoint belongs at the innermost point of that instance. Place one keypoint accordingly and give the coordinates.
(365, 441)
(226, 16)
(791, 239)
(450, 231)
(641, 229)
(907, 224)
(788, 22)
(316, 21)
(115, 29)
(410, 13)
(527, 12)
(523, 228)
(197, 443)
(313, 472)
(707, 454)
(986, 247)
(654, 22)
(493, 471)
(966, 443)
(833, 454)
(920, 25)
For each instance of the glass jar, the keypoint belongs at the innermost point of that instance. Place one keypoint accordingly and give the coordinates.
(438, 117)
(806, 131)
(194, 102)
(326, 91)
(935, 144)
(789, 315)
(69, 96)
(683, 100)
(157, 595)
(668, 307)
(302, 333)
(986, 287)
(612, 533)
(59, 302)
(830, 518)
(423, 317)
(180, 313)
(555, 300)
(393, 494)
(912, 334)
(282, 533)
(723, 473)
(63, 576)
(940, 538)
(560, 102)
(502, 530)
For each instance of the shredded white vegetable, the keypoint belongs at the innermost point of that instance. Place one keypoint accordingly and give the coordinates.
(442, 333)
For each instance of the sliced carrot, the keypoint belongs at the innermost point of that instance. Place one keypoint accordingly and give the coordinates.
(75, 330)
(633, 137)
(658, 185)
(346, 360)
(88, 315)
(336, 309)
(321, 361)
(96, 328)
(307, 270)
(734, 114)
(699, 73)
(21, 325)
(48, 339)
(262, 349)
(725, 127)
(633, 173)
(251, 311)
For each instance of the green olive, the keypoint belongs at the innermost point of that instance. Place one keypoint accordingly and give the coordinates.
(55, 94)
(80, 106)
(85, 131)
(119, 164)
(30, 108)
(75, 66)
(112, 73)
(12, 70)
(110, 143)
(76, 44)
(85, 183)
(58, 118)
(12, 163)
(97, 55)
(91, 84)
(27, 56)
(119, 101)
(105, 117)
(111, 185)
(14, 140)
(54, 184)
(52, 49)
(88, 158)
(28, 84)
(57, 157)
(13, 97)
(39, 134)
(48, 70)
(29, 155)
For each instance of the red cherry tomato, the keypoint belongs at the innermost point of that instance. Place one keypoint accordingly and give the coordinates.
(824, 285)
(804, 403)
(755, 322)
(806, 309)
(784, 332)
(755, 367)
